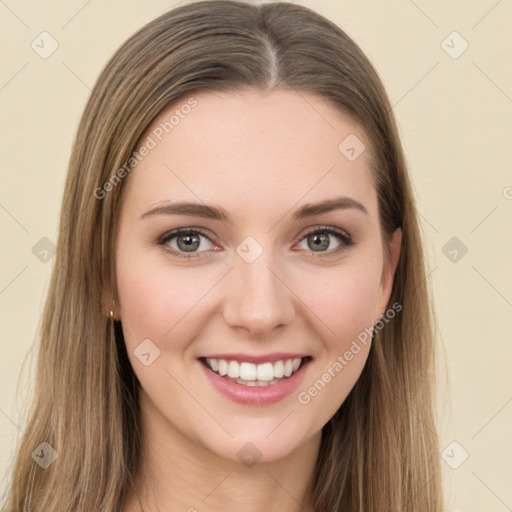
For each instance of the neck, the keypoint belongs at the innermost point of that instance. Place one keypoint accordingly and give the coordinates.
(177, 475)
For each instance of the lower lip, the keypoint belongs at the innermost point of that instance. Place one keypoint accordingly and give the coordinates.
(256, 395)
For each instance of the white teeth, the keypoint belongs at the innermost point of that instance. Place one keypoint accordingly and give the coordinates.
(254, 374)
(247, 371)
(288, 368)
(279, 369)
(223, 367)
(265, 371)
(234, 370)
(248, 382)
(258, 382)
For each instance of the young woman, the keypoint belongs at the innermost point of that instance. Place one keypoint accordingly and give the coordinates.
(238, 316)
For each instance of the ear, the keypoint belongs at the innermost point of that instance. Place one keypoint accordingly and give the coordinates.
(389, 269)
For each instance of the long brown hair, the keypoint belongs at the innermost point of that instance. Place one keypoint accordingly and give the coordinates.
(379, 452)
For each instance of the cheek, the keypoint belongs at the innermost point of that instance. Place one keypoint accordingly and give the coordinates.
(158, 303)
(344, 299)
(345, 304)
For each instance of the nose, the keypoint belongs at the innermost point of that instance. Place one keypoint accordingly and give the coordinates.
(257, 298)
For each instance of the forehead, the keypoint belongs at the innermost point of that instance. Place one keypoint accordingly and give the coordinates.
(231, 148)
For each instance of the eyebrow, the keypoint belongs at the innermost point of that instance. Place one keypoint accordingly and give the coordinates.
(219, 213)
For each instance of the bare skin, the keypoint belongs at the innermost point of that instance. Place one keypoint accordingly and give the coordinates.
(259, 156)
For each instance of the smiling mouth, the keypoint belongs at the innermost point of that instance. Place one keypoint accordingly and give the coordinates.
(250, 374)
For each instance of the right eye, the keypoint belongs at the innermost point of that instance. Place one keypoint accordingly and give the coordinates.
(184, 242)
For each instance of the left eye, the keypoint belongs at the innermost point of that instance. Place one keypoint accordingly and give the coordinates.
(320, 240)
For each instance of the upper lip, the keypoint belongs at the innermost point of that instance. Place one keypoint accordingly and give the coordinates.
(265, 358)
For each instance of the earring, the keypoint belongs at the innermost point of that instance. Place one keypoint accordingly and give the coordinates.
(111, 311)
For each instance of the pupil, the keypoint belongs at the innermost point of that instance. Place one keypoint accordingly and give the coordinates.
(320, 241)
(191, 242)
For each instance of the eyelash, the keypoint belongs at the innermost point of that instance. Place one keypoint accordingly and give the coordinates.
(345, 239)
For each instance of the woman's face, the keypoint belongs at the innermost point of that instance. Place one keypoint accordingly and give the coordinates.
(260, 275)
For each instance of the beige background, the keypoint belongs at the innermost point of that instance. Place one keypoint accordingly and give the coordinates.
(455, 120)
